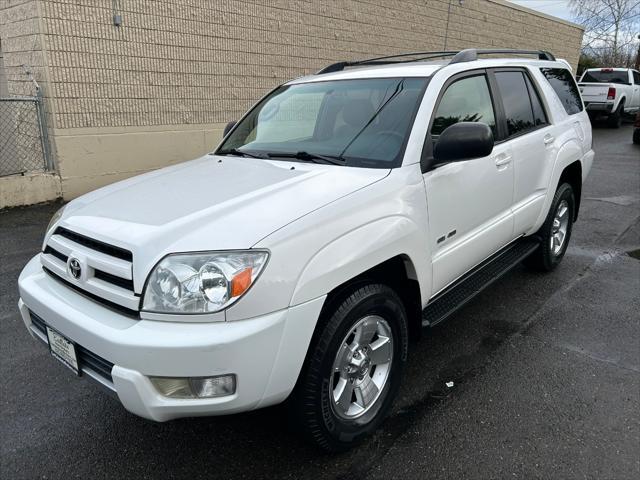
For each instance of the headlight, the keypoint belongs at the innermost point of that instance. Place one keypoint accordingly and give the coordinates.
(55, 218)
(201, 282)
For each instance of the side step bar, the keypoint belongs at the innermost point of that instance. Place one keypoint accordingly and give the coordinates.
(463, 290)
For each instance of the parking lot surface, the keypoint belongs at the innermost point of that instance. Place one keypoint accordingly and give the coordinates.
(545, 371)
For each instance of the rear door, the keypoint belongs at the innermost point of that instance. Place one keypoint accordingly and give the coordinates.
(531, 139)
(469, 202)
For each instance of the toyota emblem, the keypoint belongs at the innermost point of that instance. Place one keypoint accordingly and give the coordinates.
(75, 270)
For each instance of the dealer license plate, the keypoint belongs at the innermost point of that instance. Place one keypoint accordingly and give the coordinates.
(63, 349)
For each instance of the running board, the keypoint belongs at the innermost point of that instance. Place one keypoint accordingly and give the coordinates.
(463, 290)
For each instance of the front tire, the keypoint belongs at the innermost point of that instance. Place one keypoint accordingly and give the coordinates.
(555, 231)
(353, 368)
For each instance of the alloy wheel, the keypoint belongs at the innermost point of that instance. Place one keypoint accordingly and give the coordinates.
(361, 367)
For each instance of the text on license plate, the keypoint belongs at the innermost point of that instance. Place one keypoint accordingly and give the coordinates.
(62, 349)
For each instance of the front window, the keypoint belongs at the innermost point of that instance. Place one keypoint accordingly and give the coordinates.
(364, 122)
(465, 100)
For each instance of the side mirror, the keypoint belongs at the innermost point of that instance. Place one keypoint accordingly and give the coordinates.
(228, 127)
(463, 141)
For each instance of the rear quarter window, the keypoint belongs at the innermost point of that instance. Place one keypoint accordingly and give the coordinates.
(565, 87)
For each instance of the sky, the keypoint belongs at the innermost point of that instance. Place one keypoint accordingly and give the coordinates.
(557, 8)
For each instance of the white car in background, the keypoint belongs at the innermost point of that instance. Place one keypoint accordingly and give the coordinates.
(610, 92)
(344, 213)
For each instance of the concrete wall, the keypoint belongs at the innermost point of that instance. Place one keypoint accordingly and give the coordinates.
(159, 89)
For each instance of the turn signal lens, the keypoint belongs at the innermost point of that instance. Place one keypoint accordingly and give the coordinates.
(241, 282)
(213, 386)
(611, 94)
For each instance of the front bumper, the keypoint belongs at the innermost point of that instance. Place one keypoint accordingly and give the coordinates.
(265, 353)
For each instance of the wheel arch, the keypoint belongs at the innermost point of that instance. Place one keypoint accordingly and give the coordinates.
(399, 274)
(572, 174)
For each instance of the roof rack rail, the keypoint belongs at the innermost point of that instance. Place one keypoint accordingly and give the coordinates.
(459, 56)
(471, 54)
(338, 66)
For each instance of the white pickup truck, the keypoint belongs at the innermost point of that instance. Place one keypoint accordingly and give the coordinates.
(611, 92)
(342, 214)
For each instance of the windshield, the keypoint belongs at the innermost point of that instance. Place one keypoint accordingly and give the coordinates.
(605, 76)
(364, 122)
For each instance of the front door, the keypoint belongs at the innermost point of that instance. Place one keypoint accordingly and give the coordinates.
(469, 202)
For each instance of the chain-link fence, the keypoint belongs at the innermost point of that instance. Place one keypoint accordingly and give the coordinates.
(23, 141)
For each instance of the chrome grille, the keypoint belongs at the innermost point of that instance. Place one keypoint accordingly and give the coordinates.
(106, 273)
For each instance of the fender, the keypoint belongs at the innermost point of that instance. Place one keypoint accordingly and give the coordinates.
(568, 153)
(623, 98)
(361, 249)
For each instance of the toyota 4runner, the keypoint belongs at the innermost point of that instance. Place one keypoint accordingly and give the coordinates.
(342, 214)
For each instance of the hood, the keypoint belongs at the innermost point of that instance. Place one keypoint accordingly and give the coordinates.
(212, 203)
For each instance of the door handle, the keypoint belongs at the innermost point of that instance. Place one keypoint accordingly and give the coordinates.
(549, 139)
(502, 160)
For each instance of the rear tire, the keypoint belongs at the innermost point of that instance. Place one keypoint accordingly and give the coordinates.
(555, 232)
(348, 384)
(636, 136)
(615, 119)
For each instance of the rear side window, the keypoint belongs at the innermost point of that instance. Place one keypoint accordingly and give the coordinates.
(465, 100)
(565, 87)
(517, 106)
(636, 78)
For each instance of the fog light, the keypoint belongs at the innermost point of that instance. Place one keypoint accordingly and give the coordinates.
(197, 387)
(172, 387)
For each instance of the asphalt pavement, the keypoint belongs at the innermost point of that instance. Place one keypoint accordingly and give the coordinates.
(545, 371)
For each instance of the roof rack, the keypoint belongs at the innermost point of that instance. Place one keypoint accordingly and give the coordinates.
(459, 56)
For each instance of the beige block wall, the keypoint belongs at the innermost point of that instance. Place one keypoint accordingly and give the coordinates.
(158, 89)
(123, 152)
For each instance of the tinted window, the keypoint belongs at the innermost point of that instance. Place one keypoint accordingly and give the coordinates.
(605, 76)
(515, 97)
(636, 78)
(539, 117)
(466, 100)
(565, 87)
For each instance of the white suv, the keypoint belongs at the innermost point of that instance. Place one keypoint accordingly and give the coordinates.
(342, 214)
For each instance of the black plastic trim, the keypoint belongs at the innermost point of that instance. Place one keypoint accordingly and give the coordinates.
(463, 290)
(52, 251)
(93, 244)
(114, 280)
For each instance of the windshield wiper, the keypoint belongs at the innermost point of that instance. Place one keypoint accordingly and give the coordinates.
(397, 91)
(239, 153)
(310, 157)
